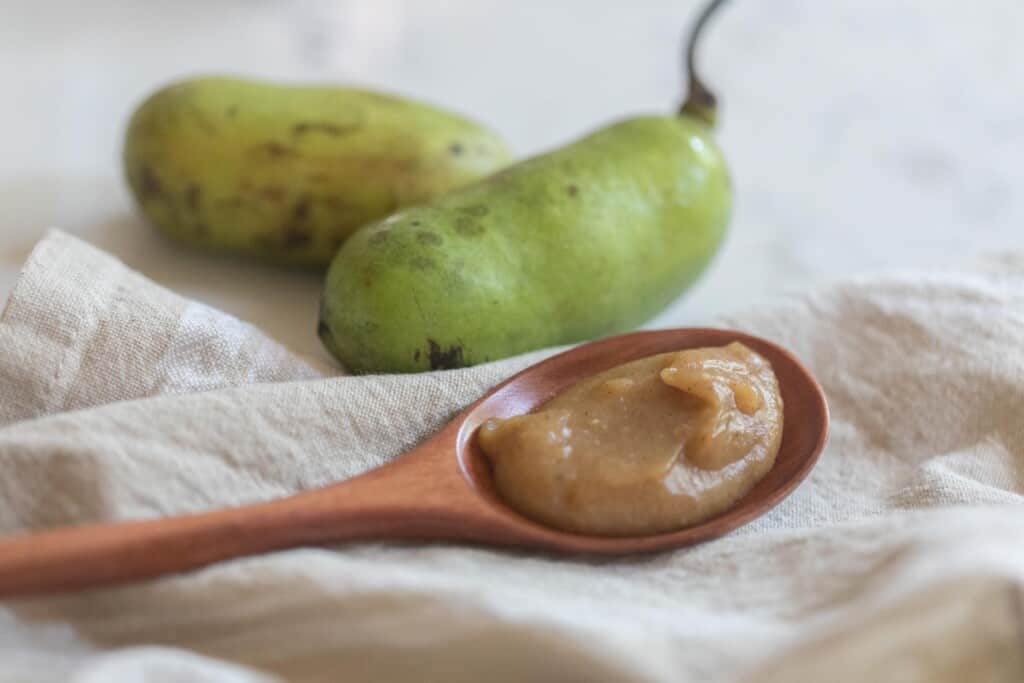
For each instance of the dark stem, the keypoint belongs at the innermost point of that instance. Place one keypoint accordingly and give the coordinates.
(700, 102)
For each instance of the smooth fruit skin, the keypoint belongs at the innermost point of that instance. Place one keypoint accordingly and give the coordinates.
(588, 240)
(287, 173)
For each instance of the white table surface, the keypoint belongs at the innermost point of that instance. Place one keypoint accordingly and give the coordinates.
(861, 134)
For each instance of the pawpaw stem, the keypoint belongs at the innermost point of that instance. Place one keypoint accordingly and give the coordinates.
(700, 102)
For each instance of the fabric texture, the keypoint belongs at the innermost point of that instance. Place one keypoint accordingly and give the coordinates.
(900, 558)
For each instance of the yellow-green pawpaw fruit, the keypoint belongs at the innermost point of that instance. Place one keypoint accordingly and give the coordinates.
(286, 173)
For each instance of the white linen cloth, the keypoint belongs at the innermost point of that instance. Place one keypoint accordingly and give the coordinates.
(900, 558)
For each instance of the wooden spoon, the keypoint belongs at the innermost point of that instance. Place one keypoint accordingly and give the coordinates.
(441, 490)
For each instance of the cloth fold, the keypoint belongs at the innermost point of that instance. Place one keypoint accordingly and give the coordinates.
(80, 329)
(900, 558)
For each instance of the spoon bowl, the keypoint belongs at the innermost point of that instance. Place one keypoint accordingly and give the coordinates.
(441, 490)
(805, 430)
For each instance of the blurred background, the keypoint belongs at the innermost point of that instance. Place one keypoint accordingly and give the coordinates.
(862, 134)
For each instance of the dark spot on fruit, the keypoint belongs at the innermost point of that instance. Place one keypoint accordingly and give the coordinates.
(416, 355)
(422, 262)
(379, 237)
(428, 238)
(275, 150)
(295, 233)
(203, 121)
(193, 194)
(295, 237)
(325, 127)
(477, 210)
(444, 359)
(230, 202)
(301, 211)
(149, 184)
(322, 330)
(572, 190)
(415, 222)
(272, 193)
(456, 149)
(232, 111)
(468, 227)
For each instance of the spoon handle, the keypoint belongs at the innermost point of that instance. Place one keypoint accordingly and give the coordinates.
(411, 497)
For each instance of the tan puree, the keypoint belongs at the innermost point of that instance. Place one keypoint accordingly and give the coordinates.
(646, 447)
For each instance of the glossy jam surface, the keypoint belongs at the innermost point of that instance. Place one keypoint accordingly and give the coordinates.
(647, 447)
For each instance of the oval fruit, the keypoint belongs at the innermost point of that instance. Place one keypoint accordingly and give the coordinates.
(286, 173)
(588, 240)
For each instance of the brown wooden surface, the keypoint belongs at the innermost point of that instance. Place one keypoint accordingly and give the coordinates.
(442, 490)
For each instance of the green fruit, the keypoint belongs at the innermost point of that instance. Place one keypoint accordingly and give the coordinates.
(287, 173)
(588, 240)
